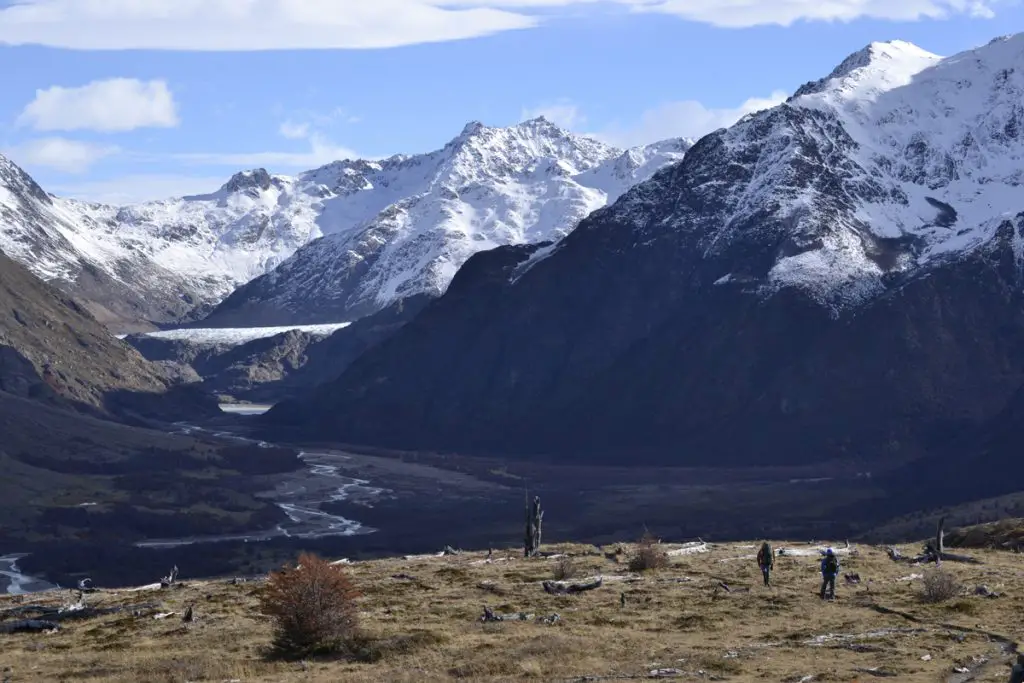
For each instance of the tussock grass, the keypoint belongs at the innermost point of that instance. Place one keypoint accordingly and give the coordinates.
(409, 633)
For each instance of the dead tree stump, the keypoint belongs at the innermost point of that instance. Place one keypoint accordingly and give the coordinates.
(534, 517)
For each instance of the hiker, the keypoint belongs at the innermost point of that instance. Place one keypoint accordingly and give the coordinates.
(1017, 674)
(829, 572)
(766, 561)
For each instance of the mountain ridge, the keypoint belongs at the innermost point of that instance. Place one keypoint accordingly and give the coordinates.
(719, 311)
(173, 260)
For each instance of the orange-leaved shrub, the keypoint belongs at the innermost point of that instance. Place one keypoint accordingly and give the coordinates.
(312, 605)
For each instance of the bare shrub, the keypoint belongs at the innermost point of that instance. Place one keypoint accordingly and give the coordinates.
(312, 606)
(648, 555)
(939, 585)
(565, 569)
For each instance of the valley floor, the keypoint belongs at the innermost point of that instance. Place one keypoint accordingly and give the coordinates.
(422, 615)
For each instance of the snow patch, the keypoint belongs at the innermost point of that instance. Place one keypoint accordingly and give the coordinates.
(234, 336)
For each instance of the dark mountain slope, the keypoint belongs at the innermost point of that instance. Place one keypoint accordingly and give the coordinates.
(837, 276)
(52, 348)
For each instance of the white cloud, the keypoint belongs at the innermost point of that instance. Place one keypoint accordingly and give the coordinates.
(114, 105)
(69, 156)
(132, 189)
(746, 13)
(686, 118)
(562, 113)
(321, 151)
(248, 24)
(359, 24)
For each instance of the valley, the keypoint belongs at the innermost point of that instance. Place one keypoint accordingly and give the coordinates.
(807, 323)
(367, 503)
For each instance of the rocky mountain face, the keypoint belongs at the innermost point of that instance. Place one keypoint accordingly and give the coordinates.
(52, 349)
(838, 277)
(415, 220)
(114, 279)
(396, 227)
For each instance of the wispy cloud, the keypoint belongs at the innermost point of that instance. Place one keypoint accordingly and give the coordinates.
(61, 154)
(294, 131)
(680, 119)
(684, 119)
(108, 106)
(238, 25)
(132, 189)
(321, 150)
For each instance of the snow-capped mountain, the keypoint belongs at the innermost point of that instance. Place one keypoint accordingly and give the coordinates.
(413, 221)
(914, 159)
(161, 261)
(837, 277)
(395, 227)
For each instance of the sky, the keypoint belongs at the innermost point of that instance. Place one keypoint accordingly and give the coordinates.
(130, 100)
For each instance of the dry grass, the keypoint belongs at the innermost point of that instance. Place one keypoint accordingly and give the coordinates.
(430, 629)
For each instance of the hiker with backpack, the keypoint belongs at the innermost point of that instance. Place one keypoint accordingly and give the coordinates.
(766, 561)
(829, 572)
(1017, 673)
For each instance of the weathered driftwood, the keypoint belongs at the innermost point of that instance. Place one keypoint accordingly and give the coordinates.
(22, 610)
(934, 551)
(170, 579)
(492, 616)
(77, 611)
(29, 626)
(567, 588)
(877, 672)
(534, 517)
(694, 548)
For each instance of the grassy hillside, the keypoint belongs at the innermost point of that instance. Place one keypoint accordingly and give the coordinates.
(421, 621)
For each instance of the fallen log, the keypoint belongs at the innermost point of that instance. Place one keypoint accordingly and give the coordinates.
(29, 626)
(695, 548)
(567, 588)
(936, 551)
(24, 609)
(55, 614)
(492, 616)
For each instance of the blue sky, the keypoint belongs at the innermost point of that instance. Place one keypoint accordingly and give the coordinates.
(123, 100)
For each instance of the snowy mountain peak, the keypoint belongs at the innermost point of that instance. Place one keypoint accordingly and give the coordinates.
(873, 69)
(255, 180)
(470, 129)
(404, 226)
(15, 184)
(393, 227)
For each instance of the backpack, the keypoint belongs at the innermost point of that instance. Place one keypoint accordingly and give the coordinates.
(765, 556)
(831, 565)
